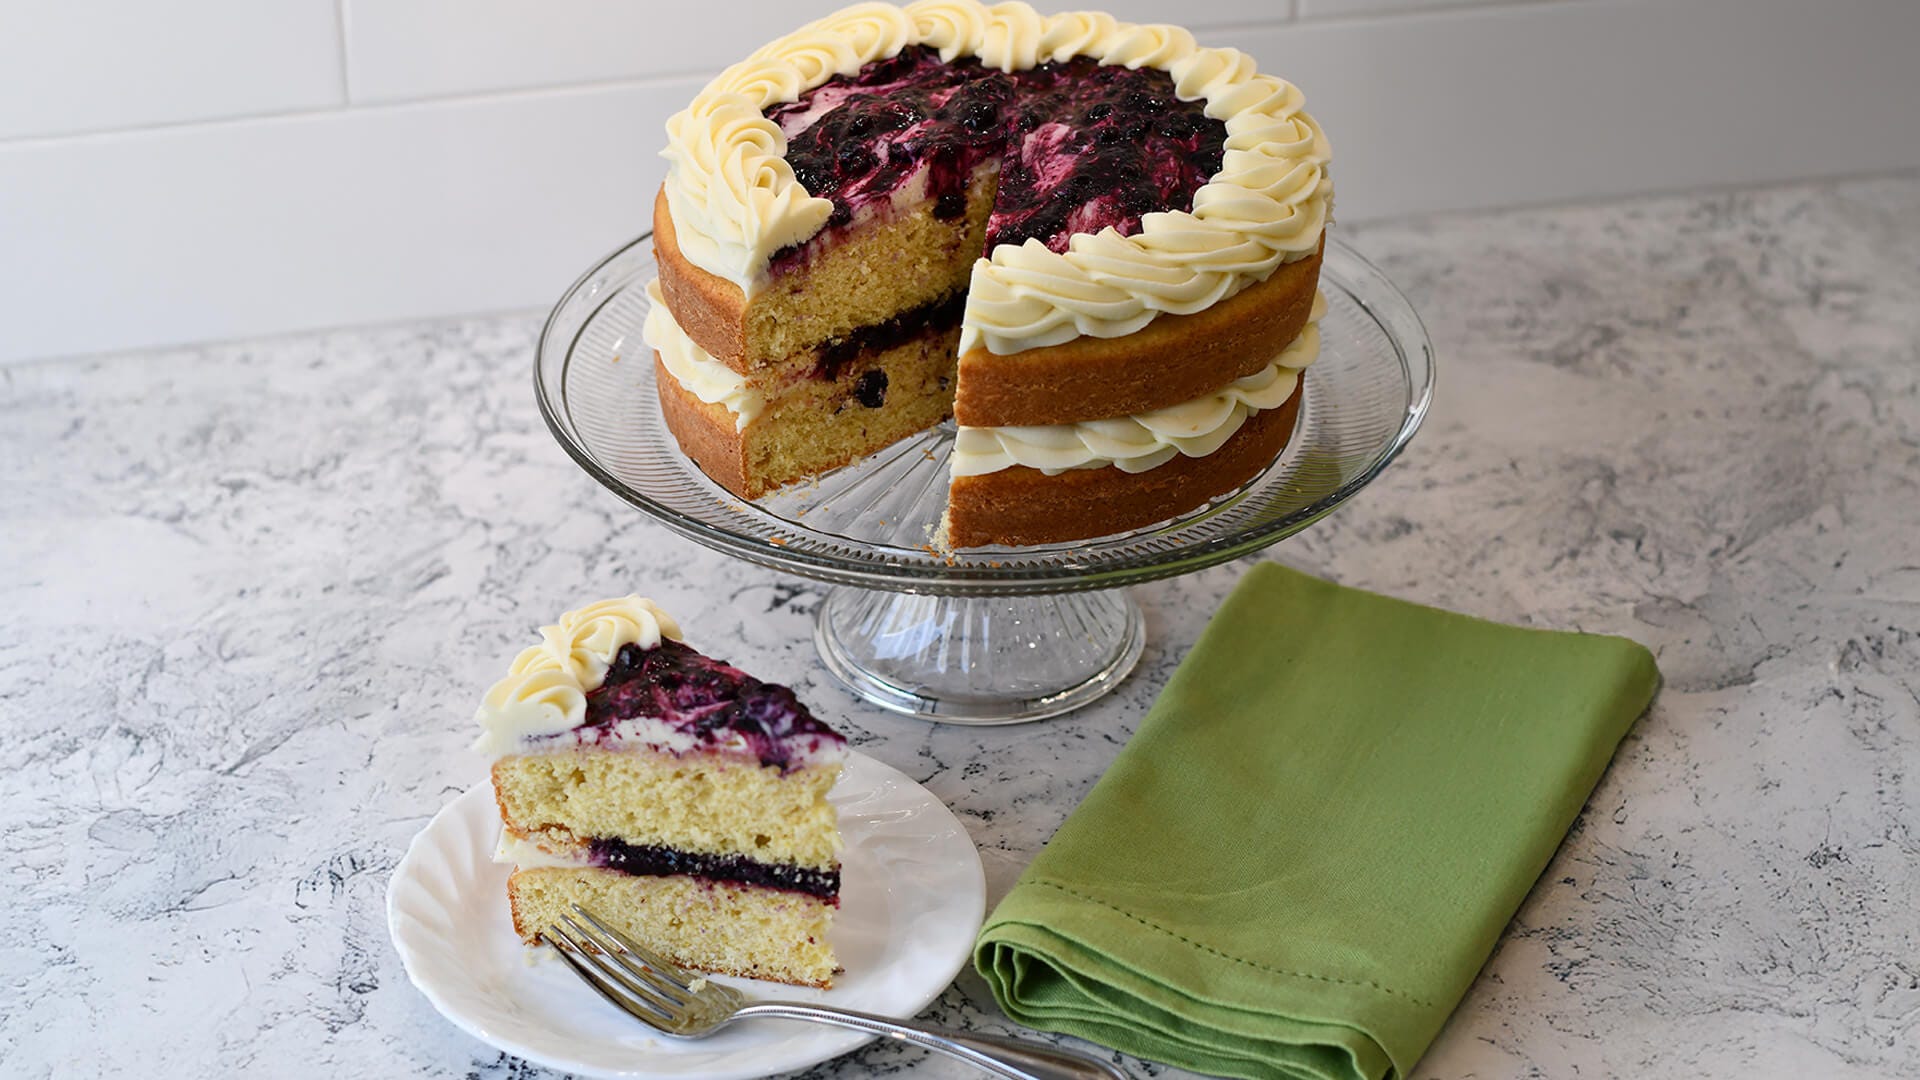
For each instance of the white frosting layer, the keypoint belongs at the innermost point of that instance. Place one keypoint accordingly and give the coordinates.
(1147, 440)
(735, 201)
(545, 691)
(530, 855)
(694, 367)
(661, 736)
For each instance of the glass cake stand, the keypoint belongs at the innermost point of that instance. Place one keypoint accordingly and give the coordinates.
(989, 635)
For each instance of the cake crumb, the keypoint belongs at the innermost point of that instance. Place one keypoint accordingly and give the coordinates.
(776, 541)
(697, 985)
(615, 360)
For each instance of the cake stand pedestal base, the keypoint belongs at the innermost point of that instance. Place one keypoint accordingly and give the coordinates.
(979, 660)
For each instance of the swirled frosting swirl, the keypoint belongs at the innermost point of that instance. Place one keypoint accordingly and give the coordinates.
(545, 690)
(735, 201)
(1143, 441)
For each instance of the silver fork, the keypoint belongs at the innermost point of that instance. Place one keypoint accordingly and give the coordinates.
(676, 1002)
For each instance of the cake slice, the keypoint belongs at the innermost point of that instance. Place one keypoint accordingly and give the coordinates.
(681, 800)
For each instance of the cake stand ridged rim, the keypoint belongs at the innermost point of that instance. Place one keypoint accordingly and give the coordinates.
(989, 571)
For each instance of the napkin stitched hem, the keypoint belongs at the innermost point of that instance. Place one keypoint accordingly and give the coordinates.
(1255, 964)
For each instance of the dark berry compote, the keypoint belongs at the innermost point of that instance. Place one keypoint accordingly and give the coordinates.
(1093, 146)
(1080, 146)
(709, 699)
(649, 860)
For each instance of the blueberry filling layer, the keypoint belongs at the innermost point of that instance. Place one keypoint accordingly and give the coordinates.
(1081, 146)
(708, 699)
(940, 315)
(645, 860)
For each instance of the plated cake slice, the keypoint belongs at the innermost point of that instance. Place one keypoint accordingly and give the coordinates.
(680, 799)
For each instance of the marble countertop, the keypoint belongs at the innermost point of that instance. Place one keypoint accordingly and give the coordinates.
(249, 593)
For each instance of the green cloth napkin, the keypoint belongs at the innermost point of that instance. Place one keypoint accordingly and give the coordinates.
(1300, 861)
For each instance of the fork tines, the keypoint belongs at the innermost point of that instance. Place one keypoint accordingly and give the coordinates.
(656, 990)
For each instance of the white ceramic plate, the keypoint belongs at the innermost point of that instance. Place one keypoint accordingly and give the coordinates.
(911, 901)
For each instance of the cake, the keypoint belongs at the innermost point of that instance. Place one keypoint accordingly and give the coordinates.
(1096, 245)
(681, 800)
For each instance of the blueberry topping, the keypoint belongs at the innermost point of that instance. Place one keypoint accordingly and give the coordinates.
(705, 697)
(856, 160)
(949, 206)
(980, 116)
(1077, 189)
(811, 178)
(1125, 145)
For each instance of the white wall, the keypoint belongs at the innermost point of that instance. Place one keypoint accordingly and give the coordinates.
(206, 169)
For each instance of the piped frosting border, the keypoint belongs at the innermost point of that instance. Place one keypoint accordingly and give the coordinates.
(735, 201)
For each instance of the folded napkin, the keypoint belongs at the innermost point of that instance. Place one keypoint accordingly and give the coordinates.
(1302, 858)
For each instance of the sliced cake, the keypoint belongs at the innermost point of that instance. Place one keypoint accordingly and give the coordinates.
(681, 800)
(1083, 239)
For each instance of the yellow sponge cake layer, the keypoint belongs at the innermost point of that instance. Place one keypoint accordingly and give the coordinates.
(707, 803)
(708, 925)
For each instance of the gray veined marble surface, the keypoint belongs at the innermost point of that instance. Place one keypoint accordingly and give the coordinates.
(249, 594)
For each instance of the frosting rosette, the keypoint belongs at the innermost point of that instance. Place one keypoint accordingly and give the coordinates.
(527, 706)
(545, 690)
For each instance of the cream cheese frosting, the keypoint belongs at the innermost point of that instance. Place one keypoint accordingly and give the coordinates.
(532, 855)
(694, 367)
(735, 200)
(545, 691)
(1143, 441)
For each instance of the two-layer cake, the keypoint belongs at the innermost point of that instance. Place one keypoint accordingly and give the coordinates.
(1095, 244)
(681, 800)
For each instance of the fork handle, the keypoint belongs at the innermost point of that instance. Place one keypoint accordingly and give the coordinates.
(1013, 1059)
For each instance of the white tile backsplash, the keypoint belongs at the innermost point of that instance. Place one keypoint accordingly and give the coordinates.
(399, 49)
(457, 176)
(365, 215)
(88, 65)
(402, 49)
(1493, 106)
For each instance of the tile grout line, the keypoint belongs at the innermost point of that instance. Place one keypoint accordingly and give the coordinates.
(311, 112)
(346, 56)
(349, 103)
